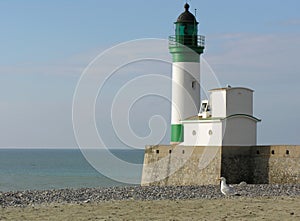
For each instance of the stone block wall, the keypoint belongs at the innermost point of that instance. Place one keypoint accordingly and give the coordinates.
(181, 165)
(261, 164)
(236, 165)
(283, 163)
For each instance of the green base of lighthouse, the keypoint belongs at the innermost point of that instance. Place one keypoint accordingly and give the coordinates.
(177, 133)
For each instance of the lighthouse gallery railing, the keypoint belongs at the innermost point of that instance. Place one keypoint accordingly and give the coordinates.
(195, 41)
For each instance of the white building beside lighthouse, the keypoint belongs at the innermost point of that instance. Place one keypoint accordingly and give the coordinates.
(225, 120)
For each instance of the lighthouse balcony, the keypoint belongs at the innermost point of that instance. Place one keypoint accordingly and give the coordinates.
(189, 41)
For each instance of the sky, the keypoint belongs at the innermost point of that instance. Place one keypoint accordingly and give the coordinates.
(46, 46)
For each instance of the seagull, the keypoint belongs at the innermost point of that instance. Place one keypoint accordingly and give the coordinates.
(227, 190)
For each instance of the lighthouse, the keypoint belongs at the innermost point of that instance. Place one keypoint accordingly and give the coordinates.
(218, 139)
(186, 47)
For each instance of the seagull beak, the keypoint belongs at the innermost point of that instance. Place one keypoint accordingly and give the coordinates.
(218, 179)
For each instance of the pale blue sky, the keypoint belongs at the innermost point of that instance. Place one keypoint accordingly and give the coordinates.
(45, 45)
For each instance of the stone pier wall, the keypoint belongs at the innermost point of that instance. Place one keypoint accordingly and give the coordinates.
(283, 164)
(181, 166)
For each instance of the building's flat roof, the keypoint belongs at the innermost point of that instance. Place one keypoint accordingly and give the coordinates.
(231, 88)
(200, 118)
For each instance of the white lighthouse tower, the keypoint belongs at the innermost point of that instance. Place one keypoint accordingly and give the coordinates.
(186, 47)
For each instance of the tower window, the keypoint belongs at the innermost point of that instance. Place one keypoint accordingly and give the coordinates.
(273, 152)
(194, 84)
(170, 151)
(287, 152)
(157, 151)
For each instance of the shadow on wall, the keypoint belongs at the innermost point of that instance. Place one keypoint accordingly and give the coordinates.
(248, 164)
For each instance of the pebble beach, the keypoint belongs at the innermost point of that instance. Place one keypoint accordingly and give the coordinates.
(274, 202)
(96, 195)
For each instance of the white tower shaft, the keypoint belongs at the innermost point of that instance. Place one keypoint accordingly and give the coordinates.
(185, 90)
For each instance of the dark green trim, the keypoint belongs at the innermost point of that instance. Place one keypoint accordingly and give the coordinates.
(177, 133)
(196, 118)
(244, 115)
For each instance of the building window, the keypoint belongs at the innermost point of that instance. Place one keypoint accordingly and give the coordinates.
(157, 151)
(287, 152)
(273, 152)
(170, 151)
(183, 152)
(257, 152)
(194, 83)
(194, 133)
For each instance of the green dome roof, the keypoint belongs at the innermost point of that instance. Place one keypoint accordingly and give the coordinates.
(186, 17)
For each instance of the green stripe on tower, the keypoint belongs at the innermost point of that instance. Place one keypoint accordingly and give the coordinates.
(177, 133)
(185, 54)
(185, 58)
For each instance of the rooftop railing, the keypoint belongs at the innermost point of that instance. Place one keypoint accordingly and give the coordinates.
(180, 40)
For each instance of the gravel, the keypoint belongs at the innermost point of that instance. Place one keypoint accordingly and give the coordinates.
(94, 195)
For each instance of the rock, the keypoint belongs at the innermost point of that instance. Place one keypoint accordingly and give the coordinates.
(87, 201)
(243, 184)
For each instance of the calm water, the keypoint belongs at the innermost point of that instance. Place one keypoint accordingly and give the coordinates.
(56, 169)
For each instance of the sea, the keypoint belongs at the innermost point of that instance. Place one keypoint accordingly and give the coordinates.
(43, 169)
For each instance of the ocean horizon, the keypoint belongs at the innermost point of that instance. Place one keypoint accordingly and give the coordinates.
(53, 168)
